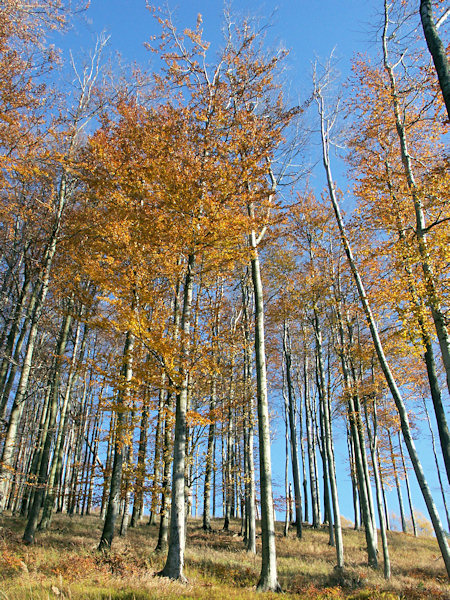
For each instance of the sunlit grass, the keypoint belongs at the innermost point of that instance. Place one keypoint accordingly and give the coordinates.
(64, 563)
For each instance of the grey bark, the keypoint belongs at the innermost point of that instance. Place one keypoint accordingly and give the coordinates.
(438, 470)
(268, 579)
(328, 447)
(437, 313)
(209, 459)
(119, 448)
(174, 565)
(138, 504)
(401, 408)
(373, 441)
(163, 532)
(157, 456)
(437, 50)
(408, 489)
(249, 425)
(8, 351)
(310, 440)
(57, 460)
(397, 485)
(292, 431)
(30, 530)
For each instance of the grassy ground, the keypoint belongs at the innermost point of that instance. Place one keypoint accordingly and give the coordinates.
(64, 564)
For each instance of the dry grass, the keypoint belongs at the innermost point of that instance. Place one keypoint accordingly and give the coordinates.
(64, 563)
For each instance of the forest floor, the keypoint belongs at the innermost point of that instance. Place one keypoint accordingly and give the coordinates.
(64, 563)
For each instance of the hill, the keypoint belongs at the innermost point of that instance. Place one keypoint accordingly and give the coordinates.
(64, 563)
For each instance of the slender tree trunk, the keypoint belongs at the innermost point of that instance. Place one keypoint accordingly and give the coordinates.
(385, 504)
(286, 463)
(408, 490)
(376, 472)
(303, 454)
(438, 470)
(177, 538)
(268, 579)
(404, 421)
(108, 464)
(30, 530)
(119, 449)
(293, 432)
(138, 504)
(209, 459)
(163, 531)
(8, 351)
(311, 450)
(437, 50)
(127, 491)
(248, 422)
(328, 448)
(157, 458)
(439, 411)
(397, 485)
(437, 313)
(57, 460)
(358, 450)
(354, 479)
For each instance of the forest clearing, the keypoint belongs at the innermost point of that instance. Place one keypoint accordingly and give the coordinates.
(65, 564)
(224, 302)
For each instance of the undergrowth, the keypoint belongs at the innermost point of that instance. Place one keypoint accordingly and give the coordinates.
(64, 563)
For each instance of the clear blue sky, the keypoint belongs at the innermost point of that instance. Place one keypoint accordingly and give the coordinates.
(309, 29)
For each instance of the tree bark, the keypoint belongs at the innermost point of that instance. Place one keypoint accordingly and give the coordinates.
(138, 504)
(311, 446)
(173, 569)
(119, 448)
(268, 579)
(30, 530)
(163, 531)
(401, 408)
(292, 409)
(437, 313)
(437, 50)
(57, 460)
(373, 440)
(328, 447)
(209, 459)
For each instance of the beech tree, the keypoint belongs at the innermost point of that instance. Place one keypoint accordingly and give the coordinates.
(326, 121)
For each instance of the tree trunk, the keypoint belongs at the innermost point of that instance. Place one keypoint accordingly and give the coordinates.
(177, 536)
(57, 460)
(292, 409)
(408, 490)
(438, 470)
(437, 50)
(311, 447)
(268, 579)
(119, 448)
(420, 229)
(163, 532)
(404, 421)
(8, 351)
(209, 459)
(376, 473)
(328, 447)
(138, 504)
(158, 448)
(30, 530)
(248, 422)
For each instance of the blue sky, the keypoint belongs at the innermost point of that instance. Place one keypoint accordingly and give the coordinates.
(306, 28)
(309, 30)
